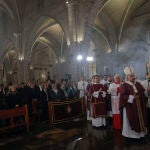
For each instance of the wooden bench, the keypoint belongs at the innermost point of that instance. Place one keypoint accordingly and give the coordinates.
(35, 113)
(65, 111)
(11, 114)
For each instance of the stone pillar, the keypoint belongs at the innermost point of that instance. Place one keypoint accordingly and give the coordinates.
(20, 71)
(71, 22)
(73, 38)
(20, 55)
(26, 72)
(31, 73)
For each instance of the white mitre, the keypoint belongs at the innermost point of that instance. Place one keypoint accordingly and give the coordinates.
(129, 70)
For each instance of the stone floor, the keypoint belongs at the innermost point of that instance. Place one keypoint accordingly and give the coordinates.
(70, 136)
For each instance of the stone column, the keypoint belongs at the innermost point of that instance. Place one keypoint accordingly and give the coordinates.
(73, 37)
(71, 22)
(20, 56)
(26, 71)
(20, 71)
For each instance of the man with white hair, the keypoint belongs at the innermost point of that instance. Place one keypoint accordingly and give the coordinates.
(114, 90)
(132, 106)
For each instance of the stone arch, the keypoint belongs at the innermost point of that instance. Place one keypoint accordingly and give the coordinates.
(4, 6)
(90, 19)
(42, 24)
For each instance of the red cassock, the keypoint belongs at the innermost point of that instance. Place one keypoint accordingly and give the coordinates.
(99, 103)
(136, 112)
(114, 90)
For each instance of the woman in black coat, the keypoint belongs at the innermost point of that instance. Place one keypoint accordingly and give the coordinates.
(2, 98)
(56, 94)
(13, 98)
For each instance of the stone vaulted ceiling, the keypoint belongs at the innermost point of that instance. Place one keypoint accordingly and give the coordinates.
(51, 29)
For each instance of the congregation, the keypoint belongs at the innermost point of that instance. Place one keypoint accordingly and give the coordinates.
(125, 103)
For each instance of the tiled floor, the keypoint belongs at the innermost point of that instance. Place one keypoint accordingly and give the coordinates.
(71, 136)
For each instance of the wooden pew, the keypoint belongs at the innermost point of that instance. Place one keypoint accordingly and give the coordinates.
(60, 112)
(35, 113)
(11, 114)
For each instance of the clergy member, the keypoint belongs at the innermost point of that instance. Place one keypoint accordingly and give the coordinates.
(114, 90)
(132, 106)
(82, 84)
(99, 112)
(146, 85)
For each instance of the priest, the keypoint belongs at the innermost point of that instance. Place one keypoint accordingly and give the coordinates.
(114, 90)
(146, 85)
(98, 102)
(132, 106)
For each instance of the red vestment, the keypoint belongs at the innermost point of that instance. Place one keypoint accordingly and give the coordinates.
(136, 111)
(98, 104)
(114, 90)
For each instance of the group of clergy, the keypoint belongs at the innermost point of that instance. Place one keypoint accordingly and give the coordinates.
(129, 99)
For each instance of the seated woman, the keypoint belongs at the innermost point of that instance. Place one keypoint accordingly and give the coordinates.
(2, 103)
(2, 98)
(56, 94)
(13, 98)
(63, 89)
(70, 90)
